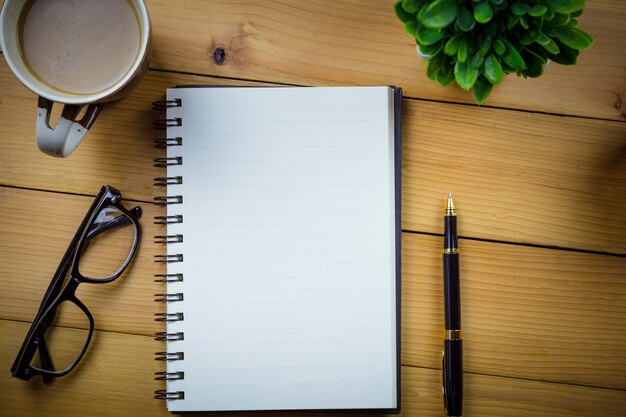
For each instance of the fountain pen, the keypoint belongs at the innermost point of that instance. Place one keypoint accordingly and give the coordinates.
(452, 358)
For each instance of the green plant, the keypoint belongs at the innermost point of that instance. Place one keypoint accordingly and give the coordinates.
(475, 42)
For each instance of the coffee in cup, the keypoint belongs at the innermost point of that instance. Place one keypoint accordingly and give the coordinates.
(76, 52)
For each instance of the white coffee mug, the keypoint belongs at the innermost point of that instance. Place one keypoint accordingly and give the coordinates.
(61, 140)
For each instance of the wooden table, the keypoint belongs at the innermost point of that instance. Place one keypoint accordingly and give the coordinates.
(538, 175)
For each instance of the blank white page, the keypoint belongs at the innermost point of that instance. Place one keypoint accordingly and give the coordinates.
(288, 250)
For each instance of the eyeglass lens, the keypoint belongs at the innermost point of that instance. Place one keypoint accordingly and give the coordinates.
(65, 338)
(109, 244)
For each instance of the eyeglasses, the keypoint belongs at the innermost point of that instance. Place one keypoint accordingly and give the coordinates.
(102, 248)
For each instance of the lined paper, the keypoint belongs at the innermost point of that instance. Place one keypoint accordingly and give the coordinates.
(289, 251)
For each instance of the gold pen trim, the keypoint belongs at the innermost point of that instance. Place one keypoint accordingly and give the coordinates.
(453, 334)
(451, 251)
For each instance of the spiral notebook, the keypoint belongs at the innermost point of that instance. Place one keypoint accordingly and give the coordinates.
(283, 248)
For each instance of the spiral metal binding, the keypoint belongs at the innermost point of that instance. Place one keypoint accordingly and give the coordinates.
(162, 394)
(165, 142)
(169, 317)
(168, 219)
(168, 278)
(169, 337)
(167, 239)
(165, 298)
(169, 259)
(166, 162)
(166, 200)
(165, 181)
(165, 123)
(169, 356)
(163, 105)
(169, 376)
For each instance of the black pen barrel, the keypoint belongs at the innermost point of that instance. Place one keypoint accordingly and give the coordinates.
(451, 286)
(452, 292)
(450, 239)
(453, 376)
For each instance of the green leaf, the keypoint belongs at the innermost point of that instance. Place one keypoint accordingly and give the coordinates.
(497, 2)
(434, 65)
(526, 38)
(411, 27)
(511, 21)
(465, 20)
(402, 14)
(444, 79)
(485, 46)
(492, 69)
(477, 61)
(429, 49)
(566, 6)
(507, 69)
(463, 52)
(534, 65)
(511, 57)
(542, 38)
(574, 38)
(537, 10)
(428, 36)
(452, 46)
(566, 56)
(412, 6)
(551, 47)
(499, 46)
(432, 69)
(465, 75)
(483, 12)
(523, 22)
(531, 52)
(539, 52)
(520, 9)
(481, 90)
(560, 19)
(439, 14)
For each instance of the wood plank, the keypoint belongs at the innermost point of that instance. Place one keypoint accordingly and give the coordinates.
(528, 312)
(115, 378)
(517, 177)
(530, 178)
(361, 42)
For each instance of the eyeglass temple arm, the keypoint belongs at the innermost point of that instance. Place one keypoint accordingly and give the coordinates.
(44, 358)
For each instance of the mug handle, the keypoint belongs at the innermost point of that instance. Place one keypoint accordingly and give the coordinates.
(61, 140)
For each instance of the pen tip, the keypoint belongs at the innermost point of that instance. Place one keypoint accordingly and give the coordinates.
(450, 206)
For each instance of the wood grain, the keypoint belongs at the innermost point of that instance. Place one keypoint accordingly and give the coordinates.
(517, 176)
(520, 177)
(115, 379)
(350, 42)
(527, 312)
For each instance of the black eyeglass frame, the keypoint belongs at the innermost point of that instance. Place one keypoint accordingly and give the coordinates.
(61, 290)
